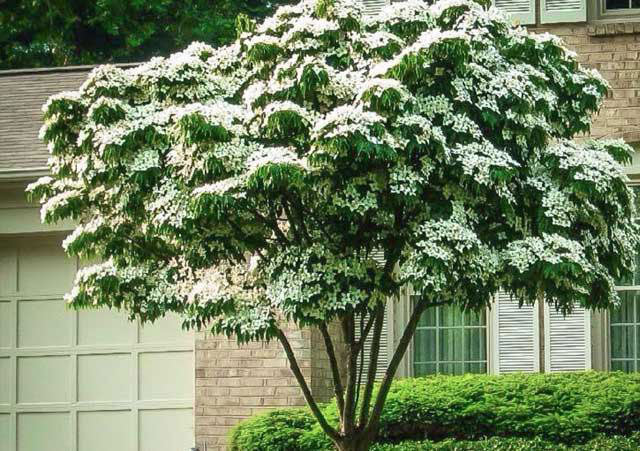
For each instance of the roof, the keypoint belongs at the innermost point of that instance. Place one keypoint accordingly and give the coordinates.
(22, 94)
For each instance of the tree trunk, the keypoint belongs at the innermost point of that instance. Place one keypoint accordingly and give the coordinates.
(354, 444)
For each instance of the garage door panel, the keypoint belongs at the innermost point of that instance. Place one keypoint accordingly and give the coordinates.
(6, 325)
(43, 379)
(5, 430)
(104, 377)
(44, 431)
(8, 270)
(104, 327)
(43, 323)
(5, 378)
(44, 269)
(105, 431)
(165, 430)
(163, 330)
(166, 375)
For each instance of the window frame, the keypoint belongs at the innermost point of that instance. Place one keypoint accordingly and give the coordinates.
(401, 315)
(597, 12)
(635, 324)
(464, 330)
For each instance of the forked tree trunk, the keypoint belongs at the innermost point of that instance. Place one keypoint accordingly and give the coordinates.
(358, 436)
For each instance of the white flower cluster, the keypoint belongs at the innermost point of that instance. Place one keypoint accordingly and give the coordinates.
(90, 227)
(550, 248)
(588, 164)
(423, 44)
(479, 159)
(558, 207)
(400, 13)
(348, 121)
(221, 283)
(275, 107)
(169, 206)
(274, 155)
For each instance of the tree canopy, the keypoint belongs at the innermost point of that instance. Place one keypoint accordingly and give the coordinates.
(45, 33)
(326, 159)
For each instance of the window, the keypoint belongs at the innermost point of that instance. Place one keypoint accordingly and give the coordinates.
(450, 341)
(625, 320)
(625, 333)
(610, 5)
(616, 10)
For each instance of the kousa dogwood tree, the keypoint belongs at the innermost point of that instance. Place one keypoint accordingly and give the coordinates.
(252, 186)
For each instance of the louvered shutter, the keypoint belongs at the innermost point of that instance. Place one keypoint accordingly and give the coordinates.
(567, 340)
(383, 356)
(515, 336)
(385, 337)
(554, 11)
(522, 11)
(374, 7)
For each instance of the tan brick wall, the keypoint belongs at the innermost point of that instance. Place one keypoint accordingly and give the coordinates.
(615, 53)
(321, 377)
(234, 382)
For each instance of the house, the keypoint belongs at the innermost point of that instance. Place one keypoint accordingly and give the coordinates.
(91, 380)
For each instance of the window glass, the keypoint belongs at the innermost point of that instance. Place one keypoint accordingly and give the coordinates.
(621, 4)
(450, 341)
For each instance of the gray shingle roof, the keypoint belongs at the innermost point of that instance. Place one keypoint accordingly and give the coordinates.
(22, 94)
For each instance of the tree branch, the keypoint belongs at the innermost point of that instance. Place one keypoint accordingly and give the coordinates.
(273, 225)
(373, 365)
(361, 364)
(292, 220)
(333, 363)
(293, 363)
(407, 335)
(352, 364)
(365, 334)
(297, 203)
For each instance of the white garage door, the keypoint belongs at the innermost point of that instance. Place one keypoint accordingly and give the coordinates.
(89, 380)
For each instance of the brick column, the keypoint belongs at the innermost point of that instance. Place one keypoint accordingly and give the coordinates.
(234, 382)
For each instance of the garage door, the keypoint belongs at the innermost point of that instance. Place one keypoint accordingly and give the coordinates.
(88, 380)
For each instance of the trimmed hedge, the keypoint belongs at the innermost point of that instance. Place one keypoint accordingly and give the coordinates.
(277, 430)
(616, 443)
(569, 408)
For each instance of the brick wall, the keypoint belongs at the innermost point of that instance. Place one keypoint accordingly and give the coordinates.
(234, 382)
(614, 51)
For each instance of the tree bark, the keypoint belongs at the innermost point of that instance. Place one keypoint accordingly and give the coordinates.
(335, 370)
(354, 444)
(348, 415)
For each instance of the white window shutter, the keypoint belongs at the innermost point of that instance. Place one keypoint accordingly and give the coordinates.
(515, 336)
(374, 7)
(522, 11)
(383, 355)
(567, 340)
(555, 11)
(385, 338)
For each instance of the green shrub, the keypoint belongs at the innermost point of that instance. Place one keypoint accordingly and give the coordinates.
(278, 430)
(570, 408)
(616, 443)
